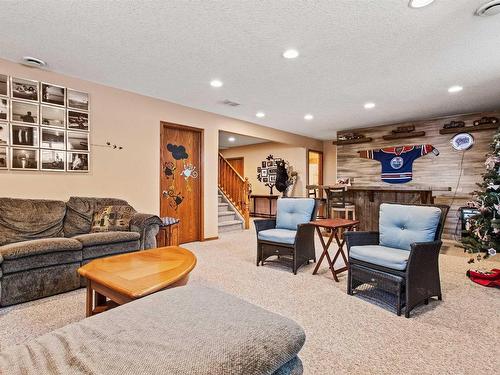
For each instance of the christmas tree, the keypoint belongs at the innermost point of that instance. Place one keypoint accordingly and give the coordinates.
(484, 228)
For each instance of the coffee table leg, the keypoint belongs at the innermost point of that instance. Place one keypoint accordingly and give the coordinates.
(90, 299)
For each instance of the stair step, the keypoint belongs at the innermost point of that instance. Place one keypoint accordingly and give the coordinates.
(230, 225)
(226, 216)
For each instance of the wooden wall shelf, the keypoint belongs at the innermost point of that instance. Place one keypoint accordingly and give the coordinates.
(469, 129)
(403, 135)
(352, 141)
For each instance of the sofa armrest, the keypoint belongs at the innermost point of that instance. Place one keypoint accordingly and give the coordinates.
(147, 226)
(361, 239)
(264, 224)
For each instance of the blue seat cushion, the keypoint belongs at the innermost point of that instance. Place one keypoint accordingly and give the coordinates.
(278, 235)
(381, 255)
(293, 211)
(401, 225)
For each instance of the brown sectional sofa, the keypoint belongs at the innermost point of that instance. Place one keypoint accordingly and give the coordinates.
(44, 242)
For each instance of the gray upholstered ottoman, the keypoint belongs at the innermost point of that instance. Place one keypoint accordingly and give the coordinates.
(187, 330)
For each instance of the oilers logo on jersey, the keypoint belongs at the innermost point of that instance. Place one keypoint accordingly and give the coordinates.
(397, 162)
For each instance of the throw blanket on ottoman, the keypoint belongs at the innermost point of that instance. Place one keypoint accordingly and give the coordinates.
(187, 330)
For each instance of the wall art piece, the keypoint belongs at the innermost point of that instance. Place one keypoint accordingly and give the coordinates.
(4, 109)
(275, 172)
(24, 135)
(4, 134)
(78, 162)
(265, 179)
(52, 139)
(77, 141)
(24, 159)
(4, 85)
(4, 157)
(397, 162)
(24, 89)
(263, 173)
(24, 112)
(264, 164)
(52, 116)
(52, 160)
(78, 100)
(78, 120)
(53, 94)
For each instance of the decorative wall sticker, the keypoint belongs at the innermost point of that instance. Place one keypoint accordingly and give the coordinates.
(178, 152)
(169, 169)
(397, 162)
(175, 198)
(188, 172)
(276, 172)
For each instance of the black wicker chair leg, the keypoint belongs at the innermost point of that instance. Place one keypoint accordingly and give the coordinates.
(349, 283)
(440, 297)
(426, 301)
(398, 307)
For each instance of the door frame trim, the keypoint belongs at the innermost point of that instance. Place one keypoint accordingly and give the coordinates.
(322, 172)
(166, 124)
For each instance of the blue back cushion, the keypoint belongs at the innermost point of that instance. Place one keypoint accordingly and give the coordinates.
(401, 225)
(293, 211)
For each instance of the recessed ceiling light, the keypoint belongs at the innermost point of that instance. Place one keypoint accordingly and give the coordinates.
(454, 89)
(216, 83)
(308, 117)
(231, 139)
(369, 105)
(33, 62)
(291, 54)
(419, 3)
(260, 114)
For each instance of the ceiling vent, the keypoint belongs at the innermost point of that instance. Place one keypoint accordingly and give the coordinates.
(33, 62)
(489, 9)
(230, 103)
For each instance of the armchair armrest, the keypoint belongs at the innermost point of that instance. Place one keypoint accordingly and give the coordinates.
(147, 226)
(361, 239)
(423, 256)
(264, 224)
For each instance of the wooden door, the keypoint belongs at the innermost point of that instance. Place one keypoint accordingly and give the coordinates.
(181, 179)
(238, 164)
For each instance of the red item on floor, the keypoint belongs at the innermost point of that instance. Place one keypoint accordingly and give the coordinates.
(485, 278)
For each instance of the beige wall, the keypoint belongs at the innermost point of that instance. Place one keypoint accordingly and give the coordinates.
(329, 163)
(255, 154)
(133, 121)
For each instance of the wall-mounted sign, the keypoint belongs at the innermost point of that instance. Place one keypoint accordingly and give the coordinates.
(462, 141)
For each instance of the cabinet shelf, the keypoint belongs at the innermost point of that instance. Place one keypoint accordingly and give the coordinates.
(403, 135)
(352, 141)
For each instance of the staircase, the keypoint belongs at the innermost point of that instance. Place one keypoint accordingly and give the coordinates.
(234, 211)
(229, 220)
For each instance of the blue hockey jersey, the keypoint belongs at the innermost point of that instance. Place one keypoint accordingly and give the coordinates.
(397, 162)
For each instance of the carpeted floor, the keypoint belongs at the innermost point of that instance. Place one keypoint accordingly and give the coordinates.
(344, 334)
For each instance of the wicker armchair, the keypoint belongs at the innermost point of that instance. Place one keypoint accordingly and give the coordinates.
(397, 255)
(289, 236)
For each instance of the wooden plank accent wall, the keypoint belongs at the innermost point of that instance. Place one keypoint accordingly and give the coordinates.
(429, 170)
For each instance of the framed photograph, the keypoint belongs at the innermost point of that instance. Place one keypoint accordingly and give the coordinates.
(4, 85)
(23, 135)
(4, 109)
(51, 160)
(269, 163)
(53, 94)
(264, 164)
(4, 157)
(263, 172)
(78, 141)
(272, 179)
(23, 112)
(78, 100)
(273, 170)
(4, 134)
(53, 116)
(78, 120)
(265, 179)
(24, 89)
(23, 159)
(78, 162)
(259, 169)
(53, 139)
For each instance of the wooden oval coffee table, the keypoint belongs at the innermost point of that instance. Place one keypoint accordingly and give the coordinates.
(119, 279)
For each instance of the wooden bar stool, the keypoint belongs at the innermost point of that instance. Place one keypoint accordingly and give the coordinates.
(316, 192)
(336, 203)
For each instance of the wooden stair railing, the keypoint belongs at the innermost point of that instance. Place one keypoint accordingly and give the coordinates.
(235, 188)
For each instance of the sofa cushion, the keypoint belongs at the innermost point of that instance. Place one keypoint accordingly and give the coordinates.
(166, 333)
(402, 225)
(80, 212)
(104, 238)
(30, 219)
(107, 249)
(278, 235)
(112, 218)
(36, 247)
(381, 255)
(293, 211)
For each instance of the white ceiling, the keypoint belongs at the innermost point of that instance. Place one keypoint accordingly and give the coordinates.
(239, 140)
(351, 52)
